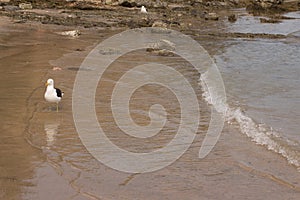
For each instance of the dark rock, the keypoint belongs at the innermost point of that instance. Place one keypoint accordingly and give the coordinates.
(137, 22)
(140, 3)
(232, 18)
(134, 3)
(197, 13)
(264, 20)
(127, 3)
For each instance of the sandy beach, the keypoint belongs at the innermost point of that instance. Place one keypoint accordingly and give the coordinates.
(42, 156)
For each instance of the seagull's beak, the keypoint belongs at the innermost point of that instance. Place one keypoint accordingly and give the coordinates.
(46, 84)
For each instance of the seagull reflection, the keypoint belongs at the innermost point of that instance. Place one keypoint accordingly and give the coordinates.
(51, 130)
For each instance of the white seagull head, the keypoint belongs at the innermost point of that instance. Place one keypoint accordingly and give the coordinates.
(50, 82)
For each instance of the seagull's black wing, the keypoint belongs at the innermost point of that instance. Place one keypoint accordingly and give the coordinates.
(58, 92)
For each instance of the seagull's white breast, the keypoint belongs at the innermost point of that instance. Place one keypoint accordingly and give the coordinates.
(51, 95)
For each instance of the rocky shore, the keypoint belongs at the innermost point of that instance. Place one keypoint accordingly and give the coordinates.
(176, 14)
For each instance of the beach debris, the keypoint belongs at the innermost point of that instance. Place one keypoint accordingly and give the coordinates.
(74, 33)
(162, 44)
(56, 68)
(211, 16)
(164, 52)
(25, 6)
(162, 48)
(143, 10)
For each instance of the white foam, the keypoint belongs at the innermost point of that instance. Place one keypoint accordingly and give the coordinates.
(261, 134)
(213, 92)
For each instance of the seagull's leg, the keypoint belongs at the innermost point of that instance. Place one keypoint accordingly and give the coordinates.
(57, 107)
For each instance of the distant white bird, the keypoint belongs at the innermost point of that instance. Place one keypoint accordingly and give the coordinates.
(143, 9)
(53, 94)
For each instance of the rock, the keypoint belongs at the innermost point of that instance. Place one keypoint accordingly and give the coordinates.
(232, 18)
(265, 4)
(25, 6)
(139, 22)
(164, 52)
(224, 4)
(11, 8)
(160, 30)
(280, 5)
(198, 1)
(163, 44)
(234, 2)
(4, 1)
(159, 4)
(74, 33)
(179, 7)
(272, 21)
(108, 2)
(197, 13)
(129, 3)
(160, 24)
(211, 16)
(139, 3)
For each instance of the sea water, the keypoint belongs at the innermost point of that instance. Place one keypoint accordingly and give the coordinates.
(262, 81)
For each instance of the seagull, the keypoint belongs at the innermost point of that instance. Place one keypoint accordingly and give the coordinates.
(143, 9)
(53, 94)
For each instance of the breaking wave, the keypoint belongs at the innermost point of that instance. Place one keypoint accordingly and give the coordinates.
(260, 133)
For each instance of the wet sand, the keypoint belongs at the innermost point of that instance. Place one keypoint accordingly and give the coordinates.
(42, 156)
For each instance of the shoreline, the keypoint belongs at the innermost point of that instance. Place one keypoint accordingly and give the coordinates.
(236, 168)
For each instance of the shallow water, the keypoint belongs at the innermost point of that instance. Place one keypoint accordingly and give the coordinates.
(263, 76)
(17, 65)
(248, 23)
(262, 79)
(44, 157)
